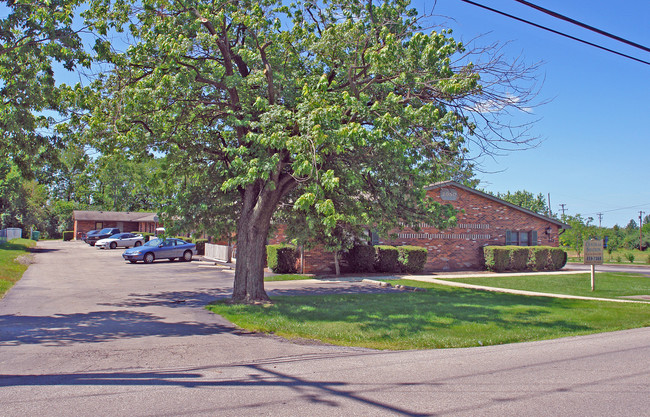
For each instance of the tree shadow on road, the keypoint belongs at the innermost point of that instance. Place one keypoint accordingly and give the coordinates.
(97, 326)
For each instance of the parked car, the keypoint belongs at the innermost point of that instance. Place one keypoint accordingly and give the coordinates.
(89, 233)
(170, 248)
(126, 240)
(102, 234)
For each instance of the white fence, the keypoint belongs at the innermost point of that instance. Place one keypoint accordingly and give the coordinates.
(10, 233)
(222, 253)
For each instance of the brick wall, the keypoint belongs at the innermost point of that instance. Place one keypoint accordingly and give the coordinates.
(481, 222)
(84, 226)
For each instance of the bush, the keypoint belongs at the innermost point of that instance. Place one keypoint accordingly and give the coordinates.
(361, 258)
(558, 258)
(521, 258)
(200, 246)
(412, 259)
(518, 258)
(68, 235)
(281, 259)
(539, 258)
(630, 257)
(387, 259)
(497, 258)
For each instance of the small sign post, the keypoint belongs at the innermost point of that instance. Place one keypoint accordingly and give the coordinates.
(593, 250)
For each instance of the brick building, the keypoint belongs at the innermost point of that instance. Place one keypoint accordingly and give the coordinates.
(85, 221)
(483, 220)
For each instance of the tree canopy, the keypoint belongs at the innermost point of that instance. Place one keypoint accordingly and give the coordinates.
(35, 37)
(343, 110)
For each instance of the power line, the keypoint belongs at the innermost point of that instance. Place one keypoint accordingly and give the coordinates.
(556, 32)
(583, 25)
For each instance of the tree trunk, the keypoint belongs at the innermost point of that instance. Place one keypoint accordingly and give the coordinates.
(337, 267)
(258, 205)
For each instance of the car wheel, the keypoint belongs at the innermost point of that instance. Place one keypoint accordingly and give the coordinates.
(113, 245)
(187, 256)
(133, 261)
(138, 243)
(148, 257)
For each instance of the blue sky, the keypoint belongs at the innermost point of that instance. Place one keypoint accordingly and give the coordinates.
(595, 142)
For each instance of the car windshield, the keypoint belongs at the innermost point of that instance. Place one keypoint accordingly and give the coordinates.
(153, 242)
(116, 236)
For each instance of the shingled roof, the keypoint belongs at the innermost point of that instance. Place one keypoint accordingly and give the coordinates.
(119, 216)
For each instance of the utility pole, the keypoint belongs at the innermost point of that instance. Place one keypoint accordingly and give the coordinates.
(550, 212)
(641, 213)
(563, 208)
(600, 218)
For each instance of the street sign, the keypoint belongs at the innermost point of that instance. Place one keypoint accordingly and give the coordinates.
(593, 252)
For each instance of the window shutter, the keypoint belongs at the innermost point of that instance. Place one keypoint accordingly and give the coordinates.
(533, 238)
(508, 237)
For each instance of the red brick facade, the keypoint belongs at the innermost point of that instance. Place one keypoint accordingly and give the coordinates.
(84, 221)
(483, 220)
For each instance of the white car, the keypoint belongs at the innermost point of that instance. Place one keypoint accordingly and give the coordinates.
(125, 240)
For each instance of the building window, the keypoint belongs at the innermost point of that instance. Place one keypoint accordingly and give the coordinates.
(99, 225)
(521, 238)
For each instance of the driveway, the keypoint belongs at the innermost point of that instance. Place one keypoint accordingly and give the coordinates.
(86, 334)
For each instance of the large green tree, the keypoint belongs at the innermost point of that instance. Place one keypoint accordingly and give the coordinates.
(527, 200)
(342, 109)
(36, 39)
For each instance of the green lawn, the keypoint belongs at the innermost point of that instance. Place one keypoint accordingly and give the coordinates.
(288, 277)
(442, 317)
(608, 284)
(11, 270)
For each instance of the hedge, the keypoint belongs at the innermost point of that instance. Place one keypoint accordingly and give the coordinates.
(412, 258)
(361, 258)
(523, 258)
(281, 259)
(387, 259)
(68, 235)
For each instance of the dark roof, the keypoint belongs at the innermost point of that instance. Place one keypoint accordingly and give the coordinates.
(120, 216)
(498, 200)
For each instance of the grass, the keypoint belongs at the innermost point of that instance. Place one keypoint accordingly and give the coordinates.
(10, 269)
(618, 257)
(288, 277)
(608, 284)
(441, 317)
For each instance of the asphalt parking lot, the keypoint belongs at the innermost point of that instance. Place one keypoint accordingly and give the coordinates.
(85, 333)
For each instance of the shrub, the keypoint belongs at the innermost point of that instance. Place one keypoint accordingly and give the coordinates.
(497, 258)
(412, 258)
(558, 258)
(282, 258)
(518, 258)
(387, 259)
(619, 259)
(630, 257)
(647, 260)
(361, 258)
(539, 258)
(68, 235)
(200, 246)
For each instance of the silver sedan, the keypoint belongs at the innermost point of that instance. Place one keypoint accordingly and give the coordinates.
(125, 240)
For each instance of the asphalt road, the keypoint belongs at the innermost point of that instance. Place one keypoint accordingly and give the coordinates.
(86, 334)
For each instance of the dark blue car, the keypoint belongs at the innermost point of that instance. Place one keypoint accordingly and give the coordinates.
(170, 248)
